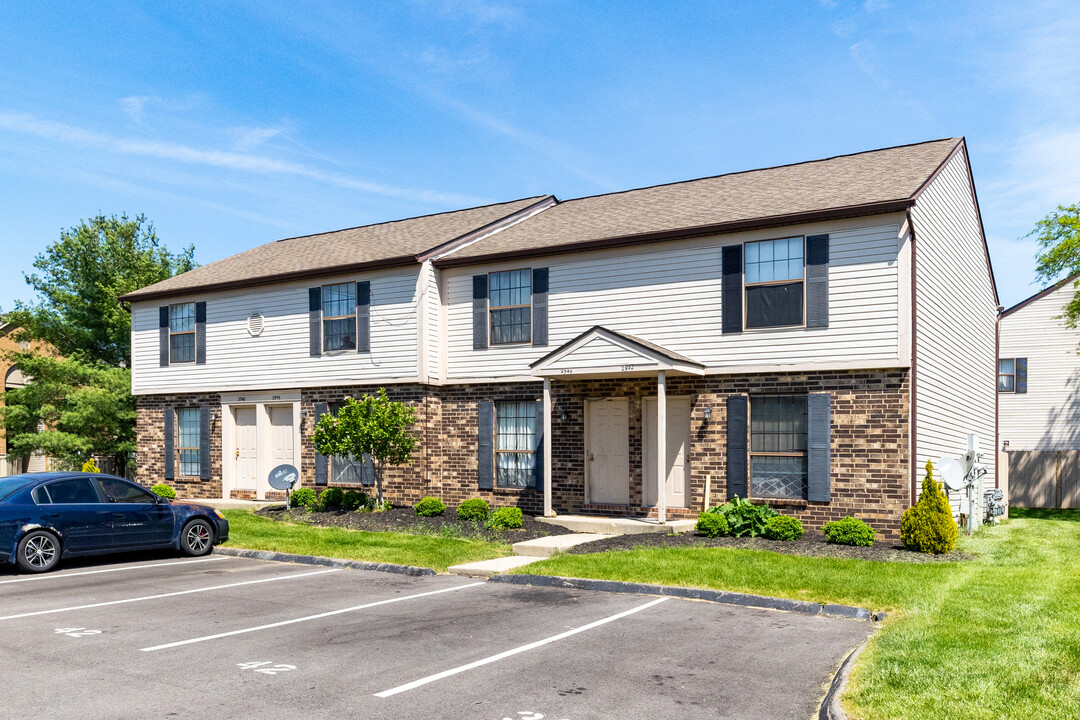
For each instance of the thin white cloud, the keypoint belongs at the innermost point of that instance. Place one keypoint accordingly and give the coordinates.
(239, 161)
(875, 5)
(864, 54)
(134, 106)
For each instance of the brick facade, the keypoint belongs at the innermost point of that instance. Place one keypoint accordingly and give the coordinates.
(870, 442)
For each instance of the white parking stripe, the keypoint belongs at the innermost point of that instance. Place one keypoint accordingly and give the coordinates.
(308, 617)
(531, 646)
(57, 576)
(165, 595)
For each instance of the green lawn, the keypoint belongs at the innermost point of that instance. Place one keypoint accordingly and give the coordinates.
(247, 530)
(995, 637)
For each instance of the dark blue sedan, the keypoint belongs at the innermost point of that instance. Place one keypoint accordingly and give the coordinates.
(48, 516)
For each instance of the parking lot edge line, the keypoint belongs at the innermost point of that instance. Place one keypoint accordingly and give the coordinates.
(165, 595)
(58, 576)
(524, 648)
(306, 618)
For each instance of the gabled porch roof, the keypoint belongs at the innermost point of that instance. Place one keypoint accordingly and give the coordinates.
(600, 352)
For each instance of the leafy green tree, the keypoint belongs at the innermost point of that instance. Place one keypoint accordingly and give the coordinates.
(80, 279)
(375, 426)
(1058, 235)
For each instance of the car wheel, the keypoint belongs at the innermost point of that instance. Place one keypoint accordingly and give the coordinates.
(39, 551)
(197, 538)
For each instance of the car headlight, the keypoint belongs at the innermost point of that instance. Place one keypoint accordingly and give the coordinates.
(218, 513)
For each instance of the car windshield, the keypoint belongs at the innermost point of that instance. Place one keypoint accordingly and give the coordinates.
(10, 485)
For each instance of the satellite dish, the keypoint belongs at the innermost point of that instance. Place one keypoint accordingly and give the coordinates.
(951, 471)
(968, 460)
(283, 477)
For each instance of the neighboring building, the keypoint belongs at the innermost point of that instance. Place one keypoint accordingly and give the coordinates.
(1039, 401)
(13, 379)
(808, 335)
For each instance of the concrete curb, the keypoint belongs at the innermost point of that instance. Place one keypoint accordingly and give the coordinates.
(717, 596)
(317, 560)
(830, 706)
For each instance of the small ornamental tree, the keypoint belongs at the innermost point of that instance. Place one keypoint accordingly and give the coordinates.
(928, 526)
(375, 426)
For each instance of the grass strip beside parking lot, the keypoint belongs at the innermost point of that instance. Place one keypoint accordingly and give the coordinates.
(247, 530)
(994, 637)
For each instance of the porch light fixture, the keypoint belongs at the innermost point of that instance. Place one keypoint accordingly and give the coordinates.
(562, 416)
(708, 413)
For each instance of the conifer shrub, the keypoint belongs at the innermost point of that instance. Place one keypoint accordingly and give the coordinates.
(928, 525)
(331, 498)
(473, 510)
(164, 491)
(505, 518)
(849, 531)
(430, 507)
(782, 527)
(712, 525)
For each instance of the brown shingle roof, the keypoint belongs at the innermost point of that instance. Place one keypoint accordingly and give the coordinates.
(865, 183)
(370, 246)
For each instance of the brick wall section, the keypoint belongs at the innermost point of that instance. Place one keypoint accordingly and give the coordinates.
(870, 463)
(150, 443)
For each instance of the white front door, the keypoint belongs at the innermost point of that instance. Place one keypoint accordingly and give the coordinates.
(607, 455)
(678, 448)
(247, 448)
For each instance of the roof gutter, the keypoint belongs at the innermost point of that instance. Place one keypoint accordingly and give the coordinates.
(879, 208)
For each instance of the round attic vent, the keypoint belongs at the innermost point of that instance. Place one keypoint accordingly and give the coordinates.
(256, 324)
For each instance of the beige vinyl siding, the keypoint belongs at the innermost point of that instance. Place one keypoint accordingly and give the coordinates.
(602, 353)
(428, 303)
(955, 316)
(670, 294)
(279, 358)
(1047, 416)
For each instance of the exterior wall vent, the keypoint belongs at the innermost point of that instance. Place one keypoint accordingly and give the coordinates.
(256, 323)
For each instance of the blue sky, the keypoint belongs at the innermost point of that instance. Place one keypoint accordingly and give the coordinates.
(230, 127)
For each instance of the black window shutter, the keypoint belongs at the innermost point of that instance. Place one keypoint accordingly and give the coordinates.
(1020, 384)
(163, 335)
(819, 429)
(485, 448)
(538, 450)
(817, 281)
(170, 440)
(480, 312)
(540, 307)
(204, 442)
(200, 333)
(315, 321)
(363, 317)
(732, 289)
(736, 446)
(320, 460)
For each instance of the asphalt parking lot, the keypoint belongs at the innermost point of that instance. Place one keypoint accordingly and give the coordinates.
(221, 637)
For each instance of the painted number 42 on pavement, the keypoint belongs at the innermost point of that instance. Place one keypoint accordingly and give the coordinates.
(266, 667)
(528, 715)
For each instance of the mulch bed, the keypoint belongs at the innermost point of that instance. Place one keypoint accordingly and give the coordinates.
(811, 543)
(404, 520)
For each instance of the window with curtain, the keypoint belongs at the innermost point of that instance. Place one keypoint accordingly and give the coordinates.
(1007, 375)
(339, 317)
(510, 305)
(187, 441)
(515, 440)
(182, 333)
(774, 283)
(778, 446)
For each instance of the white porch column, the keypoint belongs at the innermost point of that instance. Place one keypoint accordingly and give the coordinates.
(661, 447)
(547, 449)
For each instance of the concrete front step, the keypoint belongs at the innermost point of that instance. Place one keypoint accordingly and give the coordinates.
(545, 547)
(617, 526)
(487, 568)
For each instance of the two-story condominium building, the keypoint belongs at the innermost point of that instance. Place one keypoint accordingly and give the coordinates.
(806, 335)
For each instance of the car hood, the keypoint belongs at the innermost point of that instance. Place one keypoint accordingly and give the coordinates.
(193, 508)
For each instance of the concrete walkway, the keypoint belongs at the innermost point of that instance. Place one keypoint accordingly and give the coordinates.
(617, 526)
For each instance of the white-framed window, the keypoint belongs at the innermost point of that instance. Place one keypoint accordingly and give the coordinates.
(774, 275)
(510, 306)
(778, 446)
(182, 333)
(339, 317)
(187, 441)
(515, 443)
(1006, 379)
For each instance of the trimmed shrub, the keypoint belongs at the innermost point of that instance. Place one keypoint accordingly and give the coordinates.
(354, 500)
(164, 491)
(506, 518)
(849, 531)
(744, 518)
(331, 498)
(783, 527)
(473, 510)
(928, 525)
(430, 507)
(304, 497)
(712, 525)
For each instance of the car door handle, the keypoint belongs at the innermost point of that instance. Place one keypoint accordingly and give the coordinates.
(118, 516)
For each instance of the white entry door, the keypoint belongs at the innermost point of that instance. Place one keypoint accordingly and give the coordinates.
(281, 439)
(247, 448)
(607, 455)
(678, 448)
